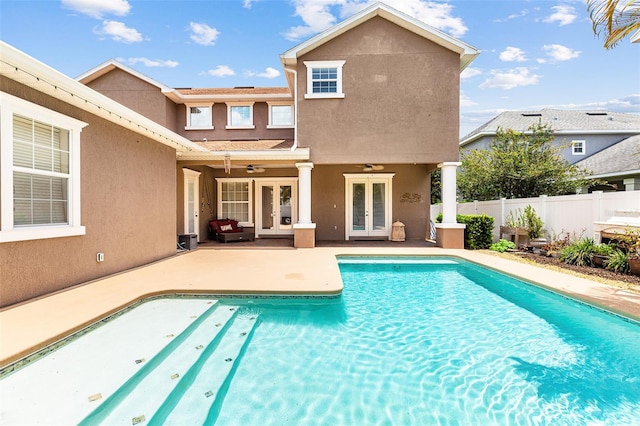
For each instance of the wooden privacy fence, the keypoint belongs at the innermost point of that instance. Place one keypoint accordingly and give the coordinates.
(566, 213)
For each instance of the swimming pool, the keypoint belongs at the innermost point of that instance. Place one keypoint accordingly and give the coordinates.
(411, 341)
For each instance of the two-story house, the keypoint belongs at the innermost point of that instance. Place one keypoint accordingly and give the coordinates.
(603, 142)
(100, 175)
(371, 109)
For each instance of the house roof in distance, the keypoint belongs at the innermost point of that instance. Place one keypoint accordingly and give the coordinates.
(620, 159)
(561, 121)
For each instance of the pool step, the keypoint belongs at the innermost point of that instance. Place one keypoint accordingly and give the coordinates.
(206, 383)
(141, 396)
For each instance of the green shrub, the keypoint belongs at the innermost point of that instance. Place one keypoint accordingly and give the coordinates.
(618, 261)
(533, 223)
(479, 231)
(503, 245)
(603, 249)
(579, 253)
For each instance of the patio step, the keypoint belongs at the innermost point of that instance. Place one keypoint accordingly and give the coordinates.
(143, 394)
(199, 397)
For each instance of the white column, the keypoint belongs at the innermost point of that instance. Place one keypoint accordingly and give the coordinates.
(304, 192)
(448, 178)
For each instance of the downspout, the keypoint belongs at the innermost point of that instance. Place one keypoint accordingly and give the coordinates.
(295, 107)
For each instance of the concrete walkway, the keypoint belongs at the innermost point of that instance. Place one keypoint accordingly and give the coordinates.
(31, 326)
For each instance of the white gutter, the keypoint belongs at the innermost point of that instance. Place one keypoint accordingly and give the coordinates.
(20, 67)
(295, 107)
(577, 132)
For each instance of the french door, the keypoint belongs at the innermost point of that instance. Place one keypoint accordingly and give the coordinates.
(276, 206)
(368, 205)
(191, 192)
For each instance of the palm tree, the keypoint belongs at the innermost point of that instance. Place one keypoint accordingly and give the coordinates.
(615, 19)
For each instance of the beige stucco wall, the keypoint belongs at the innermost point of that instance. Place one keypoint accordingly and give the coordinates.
(401, 100)
(137, 94)
(128, 208)
(410, 199)
(220, 132)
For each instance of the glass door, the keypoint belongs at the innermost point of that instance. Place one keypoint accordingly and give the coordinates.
(278, 207)
(368, 205)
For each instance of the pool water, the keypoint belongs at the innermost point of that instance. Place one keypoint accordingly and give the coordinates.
(410, 341)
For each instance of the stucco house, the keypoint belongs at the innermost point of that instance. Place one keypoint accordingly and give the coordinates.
(101, 174)
(370, 110)
(604, 142)
(87, 186)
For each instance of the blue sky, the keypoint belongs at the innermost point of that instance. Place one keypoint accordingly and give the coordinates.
(535, 54)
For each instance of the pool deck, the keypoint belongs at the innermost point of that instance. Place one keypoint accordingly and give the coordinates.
(28, 327)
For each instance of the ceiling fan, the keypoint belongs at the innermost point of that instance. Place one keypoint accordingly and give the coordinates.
(372, 167)
(254, 169)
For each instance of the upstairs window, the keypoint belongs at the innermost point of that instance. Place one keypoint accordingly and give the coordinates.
(199, 117)
(280, 115)
(578, 147)
(240, 115)
(40, 172)
(324, 79)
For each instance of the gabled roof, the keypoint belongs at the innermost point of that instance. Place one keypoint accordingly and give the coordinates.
(112, 64)
(620, 159)
(24, 69)
(561, 121)
(467, 52)
(185, 95)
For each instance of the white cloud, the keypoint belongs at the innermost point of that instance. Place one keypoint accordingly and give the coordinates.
(563, 14)
(248, 3)
(221, 71)
(152, 63)
(465, 101)
(319, 15)
(269, 72)
(98, 8)
(203, 34)
(510, 79)
(118, 31)
(521, 14)
(628, 104)
(470, 72)
(316, 16)
(559, 53)
(513, 54)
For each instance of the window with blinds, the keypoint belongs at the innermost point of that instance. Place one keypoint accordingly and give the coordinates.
(40, 173)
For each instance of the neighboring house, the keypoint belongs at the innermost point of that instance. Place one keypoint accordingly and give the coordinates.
(82, 179)
(618, 165)
(371, 109)
(580, 133)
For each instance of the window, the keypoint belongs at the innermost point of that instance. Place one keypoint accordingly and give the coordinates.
(578, 147)
(240, 115)
(40, 172)
(199, 117)
(235, 200)
(324, 79)
(280, 115)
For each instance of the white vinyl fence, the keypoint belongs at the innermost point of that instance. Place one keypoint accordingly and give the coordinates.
(567, 213)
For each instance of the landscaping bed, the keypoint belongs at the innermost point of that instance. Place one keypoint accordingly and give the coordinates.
(626, 281)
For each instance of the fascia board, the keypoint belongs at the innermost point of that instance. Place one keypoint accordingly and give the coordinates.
(26, 70)
(298, 154)
(467, 52)
(179, 98)
(577, 132)
(112, 64)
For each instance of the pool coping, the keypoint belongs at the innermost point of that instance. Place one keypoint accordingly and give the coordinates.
(29, 327)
